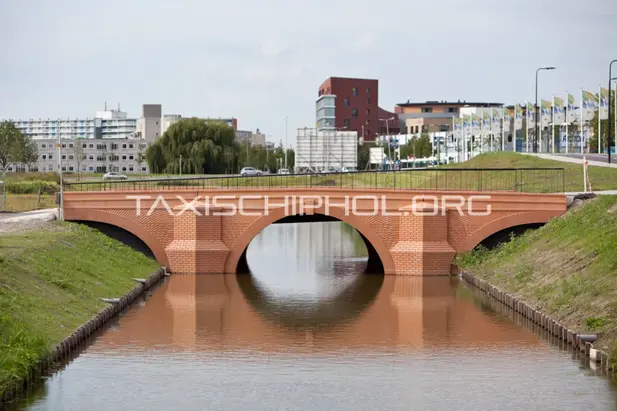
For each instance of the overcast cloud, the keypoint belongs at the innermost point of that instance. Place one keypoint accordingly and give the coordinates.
(260, 61)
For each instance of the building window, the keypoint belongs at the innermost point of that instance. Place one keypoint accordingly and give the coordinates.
(346, 123)
(130, 146)
(83, 145)
(368, 100)
(427, 109)
(367, 111)
(131, 169)
(123, 145)
(63, 145)
(64, 157)
(130, 157)
(368, 90)
(444, 127)
(90, 157)
(50, 157)
(354, 92)
(452, 110)
(143, 169)
(346, 102)
(70, 145)
(416, 129)
(71, 157)
(114, 146)
(91, 146)
(354, 112)
(124, 157)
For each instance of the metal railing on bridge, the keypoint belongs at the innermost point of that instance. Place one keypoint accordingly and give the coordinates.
(524, 180)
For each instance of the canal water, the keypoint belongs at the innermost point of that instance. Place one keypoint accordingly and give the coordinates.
(307, 330)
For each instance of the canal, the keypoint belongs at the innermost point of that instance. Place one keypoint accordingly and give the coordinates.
(307, 330)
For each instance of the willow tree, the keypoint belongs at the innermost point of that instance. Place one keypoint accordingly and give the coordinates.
(203, 146)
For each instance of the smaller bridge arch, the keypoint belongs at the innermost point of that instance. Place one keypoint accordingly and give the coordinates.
(130, 225)
(504, 223)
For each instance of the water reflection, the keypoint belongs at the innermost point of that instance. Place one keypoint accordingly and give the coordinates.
(308, 330)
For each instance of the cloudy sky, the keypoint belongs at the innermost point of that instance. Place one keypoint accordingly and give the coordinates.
(261, 61)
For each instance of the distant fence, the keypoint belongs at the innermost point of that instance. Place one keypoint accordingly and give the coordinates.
(524, 180)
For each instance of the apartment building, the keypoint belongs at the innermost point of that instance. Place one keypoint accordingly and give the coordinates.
(434, 116)
(110, 141)
(351, 104)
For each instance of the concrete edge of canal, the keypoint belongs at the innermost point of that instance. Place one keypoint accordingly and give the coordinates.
(582, 342)
(72, 344)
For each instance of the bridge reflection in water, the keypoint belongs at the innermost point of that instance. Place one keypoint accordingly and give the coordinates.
(226, 312)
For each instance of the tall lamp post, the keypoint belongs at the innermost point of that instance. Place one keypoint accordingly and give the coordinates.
(537, 136)
(285, 142)
(610, 124)
(387, 120)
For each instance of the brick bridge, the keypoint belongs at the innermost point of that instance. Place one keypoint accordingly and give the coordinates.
(407, 232)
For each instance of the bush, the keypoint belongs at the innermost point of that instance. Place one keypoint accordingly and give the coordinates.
(31, 187)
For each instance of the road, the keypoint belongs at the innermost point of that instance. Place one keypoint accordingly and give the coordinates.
(45, 214)
(598, 160)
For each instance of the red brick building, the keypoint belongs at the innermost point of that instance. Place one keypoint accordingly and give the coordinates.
(356, 107)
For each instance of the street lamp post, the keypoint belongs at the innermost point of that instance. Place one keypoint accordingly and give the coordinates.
(609, 138)
(387, 120)
(535, 143)
(285, 142)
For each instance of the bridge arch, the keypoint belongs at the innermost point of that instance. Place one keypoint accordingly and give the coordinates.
(127, 224)
(369, 235)
(504, 223)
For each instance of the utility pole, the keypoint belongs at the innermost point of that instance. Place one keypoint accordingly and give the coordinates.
(286, 118)
(610, 124)
(61, 205)
(537, 129)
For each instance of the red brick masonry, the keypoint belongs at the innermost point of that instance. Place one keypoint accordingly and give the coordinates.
(407, 243)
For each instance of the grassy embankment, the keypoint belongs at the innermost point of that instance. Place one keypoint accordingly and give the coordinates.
(51, 281)
(567, 269)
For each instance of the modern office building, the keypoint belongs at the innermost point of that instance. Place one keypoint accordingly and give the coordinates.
(435, 116)
(352, 104)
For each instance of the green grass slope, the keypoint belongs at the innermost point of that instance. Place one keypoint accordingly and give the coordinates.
(567, 269)
(51, 282)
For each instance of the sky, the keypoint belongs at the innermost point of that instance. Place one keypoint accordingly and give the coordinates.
(263, 61)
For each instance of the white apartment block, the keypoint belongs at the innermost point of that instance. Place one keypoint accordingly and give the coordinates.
(110, 141)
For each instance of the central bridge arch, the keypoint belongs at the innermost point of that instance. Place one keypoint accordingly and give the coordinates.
(380, 259)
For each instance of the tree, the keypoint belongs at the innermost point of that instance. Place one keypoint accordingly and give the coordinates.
(15, 146)
(78, 152)
(201, 144)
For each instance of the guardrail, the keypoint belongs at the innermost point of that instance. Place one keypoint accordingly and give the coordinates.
(524, 180)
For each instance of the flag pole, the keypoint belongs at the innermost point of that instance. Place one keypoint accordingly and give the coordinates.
(503, 128)
(582, 103)
(567, 119)
(526, 127)
(599, 121)
(553, 127)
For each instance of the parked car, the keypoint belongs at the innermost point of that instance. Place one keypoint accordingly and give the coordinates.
(284, 171)
(112, 175)
(250, 171)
